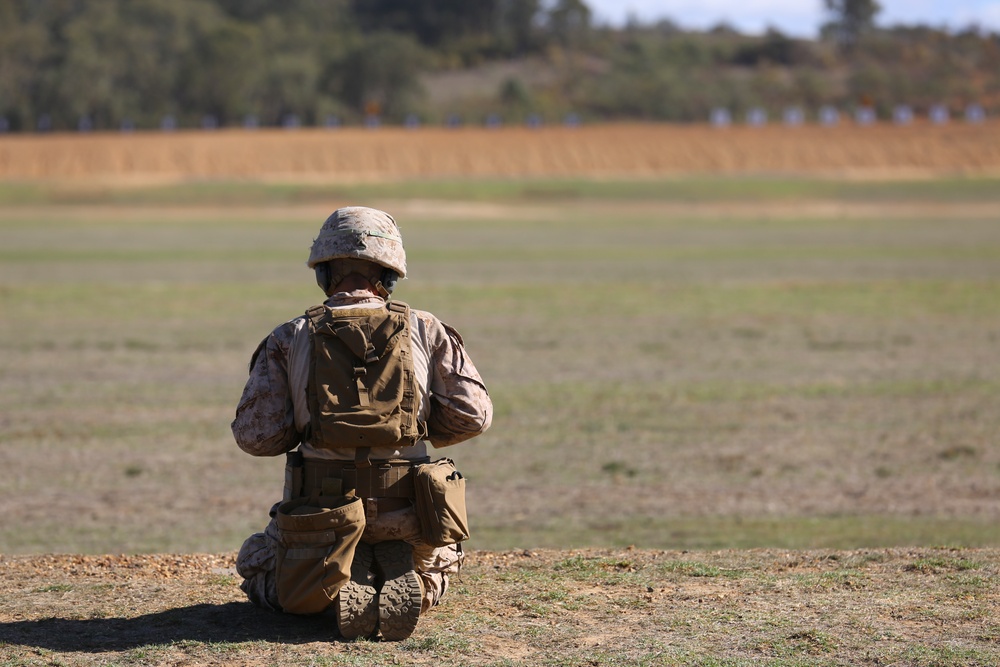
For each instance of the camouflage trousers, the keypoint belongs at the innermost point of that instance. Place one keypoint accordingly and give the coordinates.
(256, 559)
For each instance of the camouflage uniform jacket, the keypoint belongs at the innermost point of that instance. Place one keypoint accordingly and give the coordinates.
(273, 411)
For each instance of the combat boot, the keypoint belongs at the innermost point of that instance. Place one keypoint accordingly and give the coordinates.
(401, 593)
(357, 611)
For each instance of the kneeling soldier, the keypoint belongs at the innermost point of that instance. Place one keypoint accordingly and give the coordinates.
(351, 392)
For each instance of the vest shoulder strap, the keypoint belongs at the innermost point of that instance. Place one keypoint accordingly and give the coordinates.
(316, 312)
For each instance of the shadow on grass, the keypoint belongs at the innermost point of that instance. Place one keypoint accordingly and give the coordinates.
(232, 622)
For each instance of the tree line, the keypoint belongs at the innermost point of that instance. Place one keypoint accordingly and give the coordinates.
(107, 64)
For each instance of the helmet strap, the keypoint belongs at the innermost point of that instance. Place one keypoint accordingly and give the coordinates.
(382, 291)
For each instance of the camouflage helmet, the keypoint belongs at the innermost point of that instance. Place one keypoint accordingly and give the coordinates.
(357, 232)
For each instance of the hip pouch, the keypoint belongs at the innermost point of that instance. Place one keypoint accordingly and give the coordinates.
(316, 540)
(440, 503)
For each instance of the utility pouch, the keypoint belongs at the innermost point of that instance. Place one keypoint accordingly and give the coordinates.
(317, 536)
(440, 503)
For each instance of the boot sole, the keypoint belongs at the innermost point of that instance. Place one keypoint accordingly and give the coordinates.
(400, 598)
(357, 614)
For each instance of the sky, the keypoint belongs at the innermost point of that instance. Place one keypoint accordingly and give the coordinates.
(800, 18)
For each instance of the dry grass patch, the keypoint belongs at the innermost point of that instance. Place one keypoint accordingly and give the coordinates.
(918, 607)
(601, 151)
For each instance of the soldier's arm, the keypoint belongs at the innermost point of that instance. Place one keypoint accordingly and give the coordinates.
(460, 405)
(264, 424)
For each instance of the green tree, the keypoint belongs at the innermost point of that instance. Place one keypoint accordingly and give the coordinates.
(850, 20)
(122, 59)
(318, 15)
(223, 73)
(24, 49)
(515, 26)
(569, 21)
(432, 22)
(381, 72)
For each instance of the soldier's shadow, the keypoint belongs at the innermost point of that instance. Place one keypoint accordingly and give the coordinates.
(209, 623)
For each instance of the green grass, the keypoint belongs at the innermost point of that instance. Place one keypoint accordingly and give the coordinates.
(679, 189)
(661, 378)
(742, 533)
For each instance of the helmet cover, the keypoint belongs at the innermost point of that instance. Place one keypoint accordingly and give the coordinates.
(358, 232)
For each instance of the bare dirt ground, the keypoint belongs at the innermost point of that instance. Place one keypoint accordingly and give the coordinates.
(613, 150)
(874, 607)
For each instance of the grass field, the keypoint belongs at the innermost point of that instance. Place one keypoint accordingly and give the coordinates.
(675, 363)
(743, 417)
